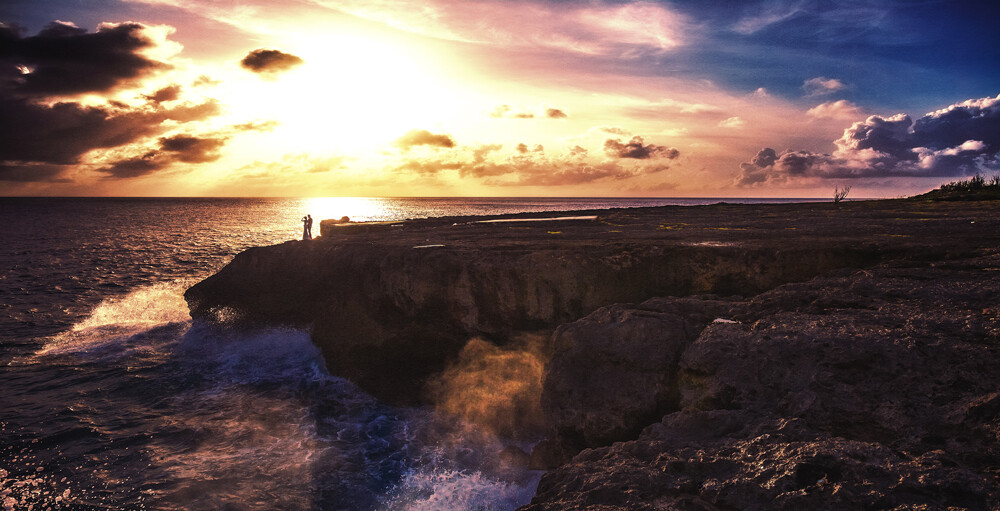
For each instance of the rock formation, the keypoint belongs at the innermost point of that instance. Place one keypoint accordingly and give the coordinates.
(799, 356)
(875, 389)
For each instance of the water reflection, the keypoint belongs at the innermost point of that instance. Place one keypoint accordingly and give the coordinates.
(357, 208)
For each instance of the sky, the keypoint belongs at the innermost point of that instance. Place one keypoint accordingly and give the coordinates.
(394, 98)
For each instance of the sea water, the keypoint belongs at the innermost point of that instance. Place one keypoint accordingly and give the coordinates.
(111, 397)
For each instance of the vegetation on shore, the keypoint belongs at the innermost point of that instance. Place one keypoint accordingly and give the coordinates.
(976, 187)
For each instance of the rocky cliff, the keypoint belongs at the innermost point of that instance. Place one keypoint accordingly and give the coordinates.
(728, 385)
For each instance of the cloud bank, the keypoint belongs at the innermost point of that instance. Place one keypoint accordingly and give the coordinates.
(960, 140)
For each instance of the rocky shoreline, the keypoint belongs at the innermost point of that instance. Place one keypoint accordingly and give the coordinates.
(795, 356)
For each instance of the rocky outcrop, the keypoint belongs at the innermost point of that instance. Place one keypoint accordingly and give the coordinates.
(393, 305)
(873, 389)
(615, 371)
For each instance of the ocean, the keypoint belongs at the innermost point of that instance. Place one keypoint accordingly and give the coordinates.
(111, 397)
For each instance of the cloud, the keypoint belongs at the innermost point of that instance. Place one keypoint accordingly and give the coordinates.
(256, 126)
(174, 149)
(168, 93)
(555, 113)
(614, 130)
(62, 133)
(65, 60)
(840, 109)
(733, 123)
(507, 111)
(637, 150)
(629, 30)
(190, 149)
(821, 86)
(269, 62)
(44, 137)
(26, 173)
(768, 16)
(523, 148)
(959, 140)
(529, 167)
(424, 137)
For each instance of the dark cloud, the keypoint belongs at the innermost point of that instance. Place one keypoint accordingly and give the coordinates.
(63, 132)
(424, 137)
(42, 137)
(637, 150)
(178, 148)
(135, 167)
(65, 60)
(269, 61)
(555, 113)
(168, 93)
(190, 149)
(960, 140)
(522, 148)
(32, 173)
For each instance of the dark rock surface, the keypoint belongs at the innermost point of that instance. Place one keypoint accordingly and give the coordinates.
(615, 371)
(874, 389)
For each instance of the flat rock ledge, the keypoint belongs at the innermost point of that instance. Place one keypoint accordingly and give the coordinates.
(799, 356)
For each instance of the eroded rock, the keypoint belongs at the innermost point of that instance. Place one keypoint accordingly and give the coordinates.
(872, 389)
(614, 371)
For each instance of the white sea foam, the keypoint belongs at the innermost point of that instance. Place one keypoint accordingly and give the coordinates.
(456, 490)
(112, 326)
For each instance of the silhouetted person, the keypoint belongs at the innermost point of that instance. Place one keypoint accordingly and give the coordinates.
(307, 225)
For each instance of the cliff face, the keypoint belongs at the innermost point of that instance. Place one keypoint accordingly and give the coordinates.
(391, 304)
(388, 316)
(875, 389)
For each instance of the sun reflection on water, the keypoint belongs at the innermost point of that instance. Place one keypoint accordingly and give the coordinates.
(358, 209)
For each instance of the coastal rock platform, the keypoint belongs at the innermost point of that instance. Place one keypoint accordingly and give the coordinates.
(782, 356)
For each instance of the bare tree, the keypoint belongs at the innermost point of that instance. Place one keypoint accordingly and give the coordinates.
(840, 193)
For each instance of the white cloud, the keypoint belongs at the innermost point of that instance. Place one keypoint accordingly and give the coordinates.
(821, 86)
(733, 123)
(840, 109)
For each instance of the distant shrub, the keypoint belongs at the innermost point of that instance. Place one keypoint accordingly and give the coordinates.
(975, 183)
(840, 194)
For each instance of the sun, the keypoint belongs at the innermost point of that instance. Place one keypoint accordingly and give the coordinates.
(352, 94)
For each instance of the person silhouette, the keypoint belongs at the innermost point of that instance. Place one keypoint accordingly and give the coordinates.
(307, 227)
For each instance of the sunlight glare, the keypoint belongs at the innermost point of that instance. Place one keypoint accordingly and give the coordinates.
(358, 209)
(352, 94)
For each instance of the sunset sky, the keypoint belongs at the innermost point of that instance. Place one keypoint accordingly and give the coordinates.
(496, 98)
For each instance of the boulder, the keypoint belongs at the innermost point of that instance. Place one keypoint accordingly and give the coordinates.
(614, 371)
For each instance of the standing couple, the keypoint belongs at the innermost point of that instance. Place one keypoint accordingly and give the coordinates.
(307, 227)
